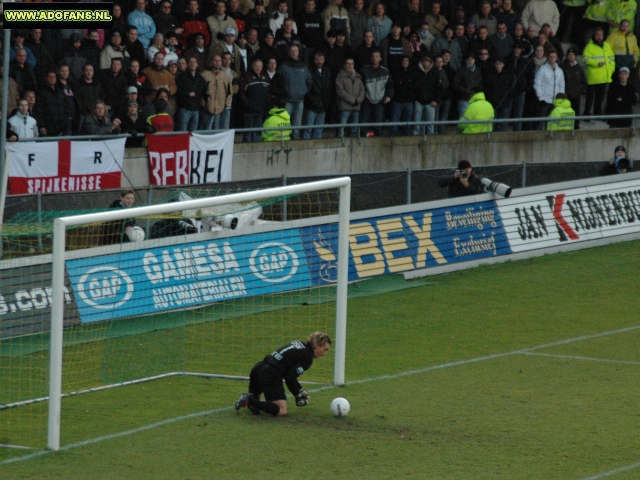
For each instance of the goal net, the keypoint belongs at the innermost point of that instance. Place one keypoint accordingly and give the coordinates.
(196, 286)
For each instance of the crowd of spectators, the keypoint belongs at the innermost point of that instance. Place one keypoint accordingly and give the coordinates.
(211, 64)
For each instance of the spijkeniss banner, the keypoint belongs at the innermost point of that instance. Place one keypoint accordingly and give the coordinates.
(190, 158)
(65, 166)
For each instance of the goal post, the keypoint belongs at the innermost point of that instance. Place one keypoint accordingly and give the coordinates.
(60, 257)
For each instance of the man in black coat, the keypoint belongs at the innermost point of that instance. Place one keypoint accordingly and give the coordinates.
(134, 47)
(497, 86)
(191, 88)
(318, 99)
(463, 182)
(114, 84)
(57, 117)
(22, 72)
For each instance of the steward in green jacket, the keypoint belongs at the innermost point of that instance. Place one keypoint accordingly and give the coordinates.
(478, 109)
(599, 58)
(278, 117)
(562, 109)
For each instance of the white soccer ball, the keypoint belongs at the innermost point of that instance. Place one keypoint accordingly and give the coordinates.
(340, 407)
(136, 234)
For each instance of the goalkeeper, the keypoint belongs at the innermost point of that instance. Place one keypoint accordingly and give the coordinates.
(287, 363)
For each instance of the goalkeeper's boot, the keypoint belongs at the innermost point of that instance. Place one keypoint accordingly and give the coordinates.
(251, 405)
(242, 402)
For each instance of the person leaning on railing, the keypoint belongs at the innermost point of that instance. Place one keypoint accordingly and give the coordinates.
(278, 117)
(562, 109)
(98, 123)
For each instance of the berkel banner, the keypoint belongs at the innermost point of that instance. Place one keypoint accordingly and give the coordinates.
(190, 158)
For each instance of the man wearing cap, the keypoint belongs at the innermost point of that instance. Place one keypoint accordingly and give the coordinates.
(463, 182)
(625, 46)
(620, 163)
(220, 23)
(600, 60)
(393, 47)
(621, 98)
(575, 81)
(143, 22)
(112, 50)
(229, 46)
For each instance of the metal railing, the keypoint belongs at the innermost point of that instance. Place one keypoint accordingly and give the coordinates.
(363, 126)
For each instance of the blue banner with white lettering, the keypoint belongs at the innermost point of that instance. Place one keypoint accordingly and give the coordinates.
(188, 275)
(408, 241)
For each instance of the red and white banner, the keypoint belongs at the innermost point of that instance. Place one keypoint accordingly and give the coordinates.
(190, 159)
(65, 166)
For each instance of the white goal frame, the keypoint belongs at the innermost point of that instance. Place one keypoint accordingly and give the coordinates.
(58, 268)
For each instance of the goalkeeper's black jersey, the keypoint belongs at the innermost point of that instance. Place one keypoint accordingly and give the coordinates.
(291, 361)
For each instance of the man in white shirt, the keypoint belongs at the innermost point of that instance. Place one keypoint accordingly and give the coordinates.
(22, 123)
(548, 83)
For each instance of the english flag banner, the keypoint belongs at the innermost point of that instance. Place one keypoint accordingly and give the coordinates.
(65, 166)
(190, 158)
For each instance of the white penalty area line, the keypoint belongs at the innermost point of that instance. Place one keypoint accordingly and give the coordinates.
(328, 387)
(614, 472)
(574, 357)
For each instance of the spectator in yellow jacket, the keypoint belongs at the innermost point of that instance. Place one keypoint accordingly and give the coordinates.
(562, 110)
(618, 10)
(625, 46)
(278, 117)
(600, 61)
(478, 109)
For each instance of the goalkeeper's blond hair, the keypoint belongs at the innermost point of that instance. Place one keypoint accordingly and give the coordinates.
(318, 339)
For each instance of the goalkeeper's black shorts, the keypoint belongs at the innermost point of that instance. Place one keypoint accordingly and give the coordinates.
(265, 378)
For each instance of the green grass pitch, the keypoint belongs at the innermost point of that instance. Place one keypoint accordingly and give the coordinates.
(523, 370)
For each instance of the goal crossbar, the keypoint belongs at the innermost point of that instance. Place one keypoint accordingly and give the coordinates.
(58, 269)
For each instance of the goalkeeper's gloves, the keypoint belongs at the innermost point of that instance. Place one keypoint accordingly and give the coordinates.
(302, 398)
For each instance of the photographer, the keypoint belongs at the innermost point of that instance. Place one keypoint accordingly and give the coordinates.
(463, 182)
